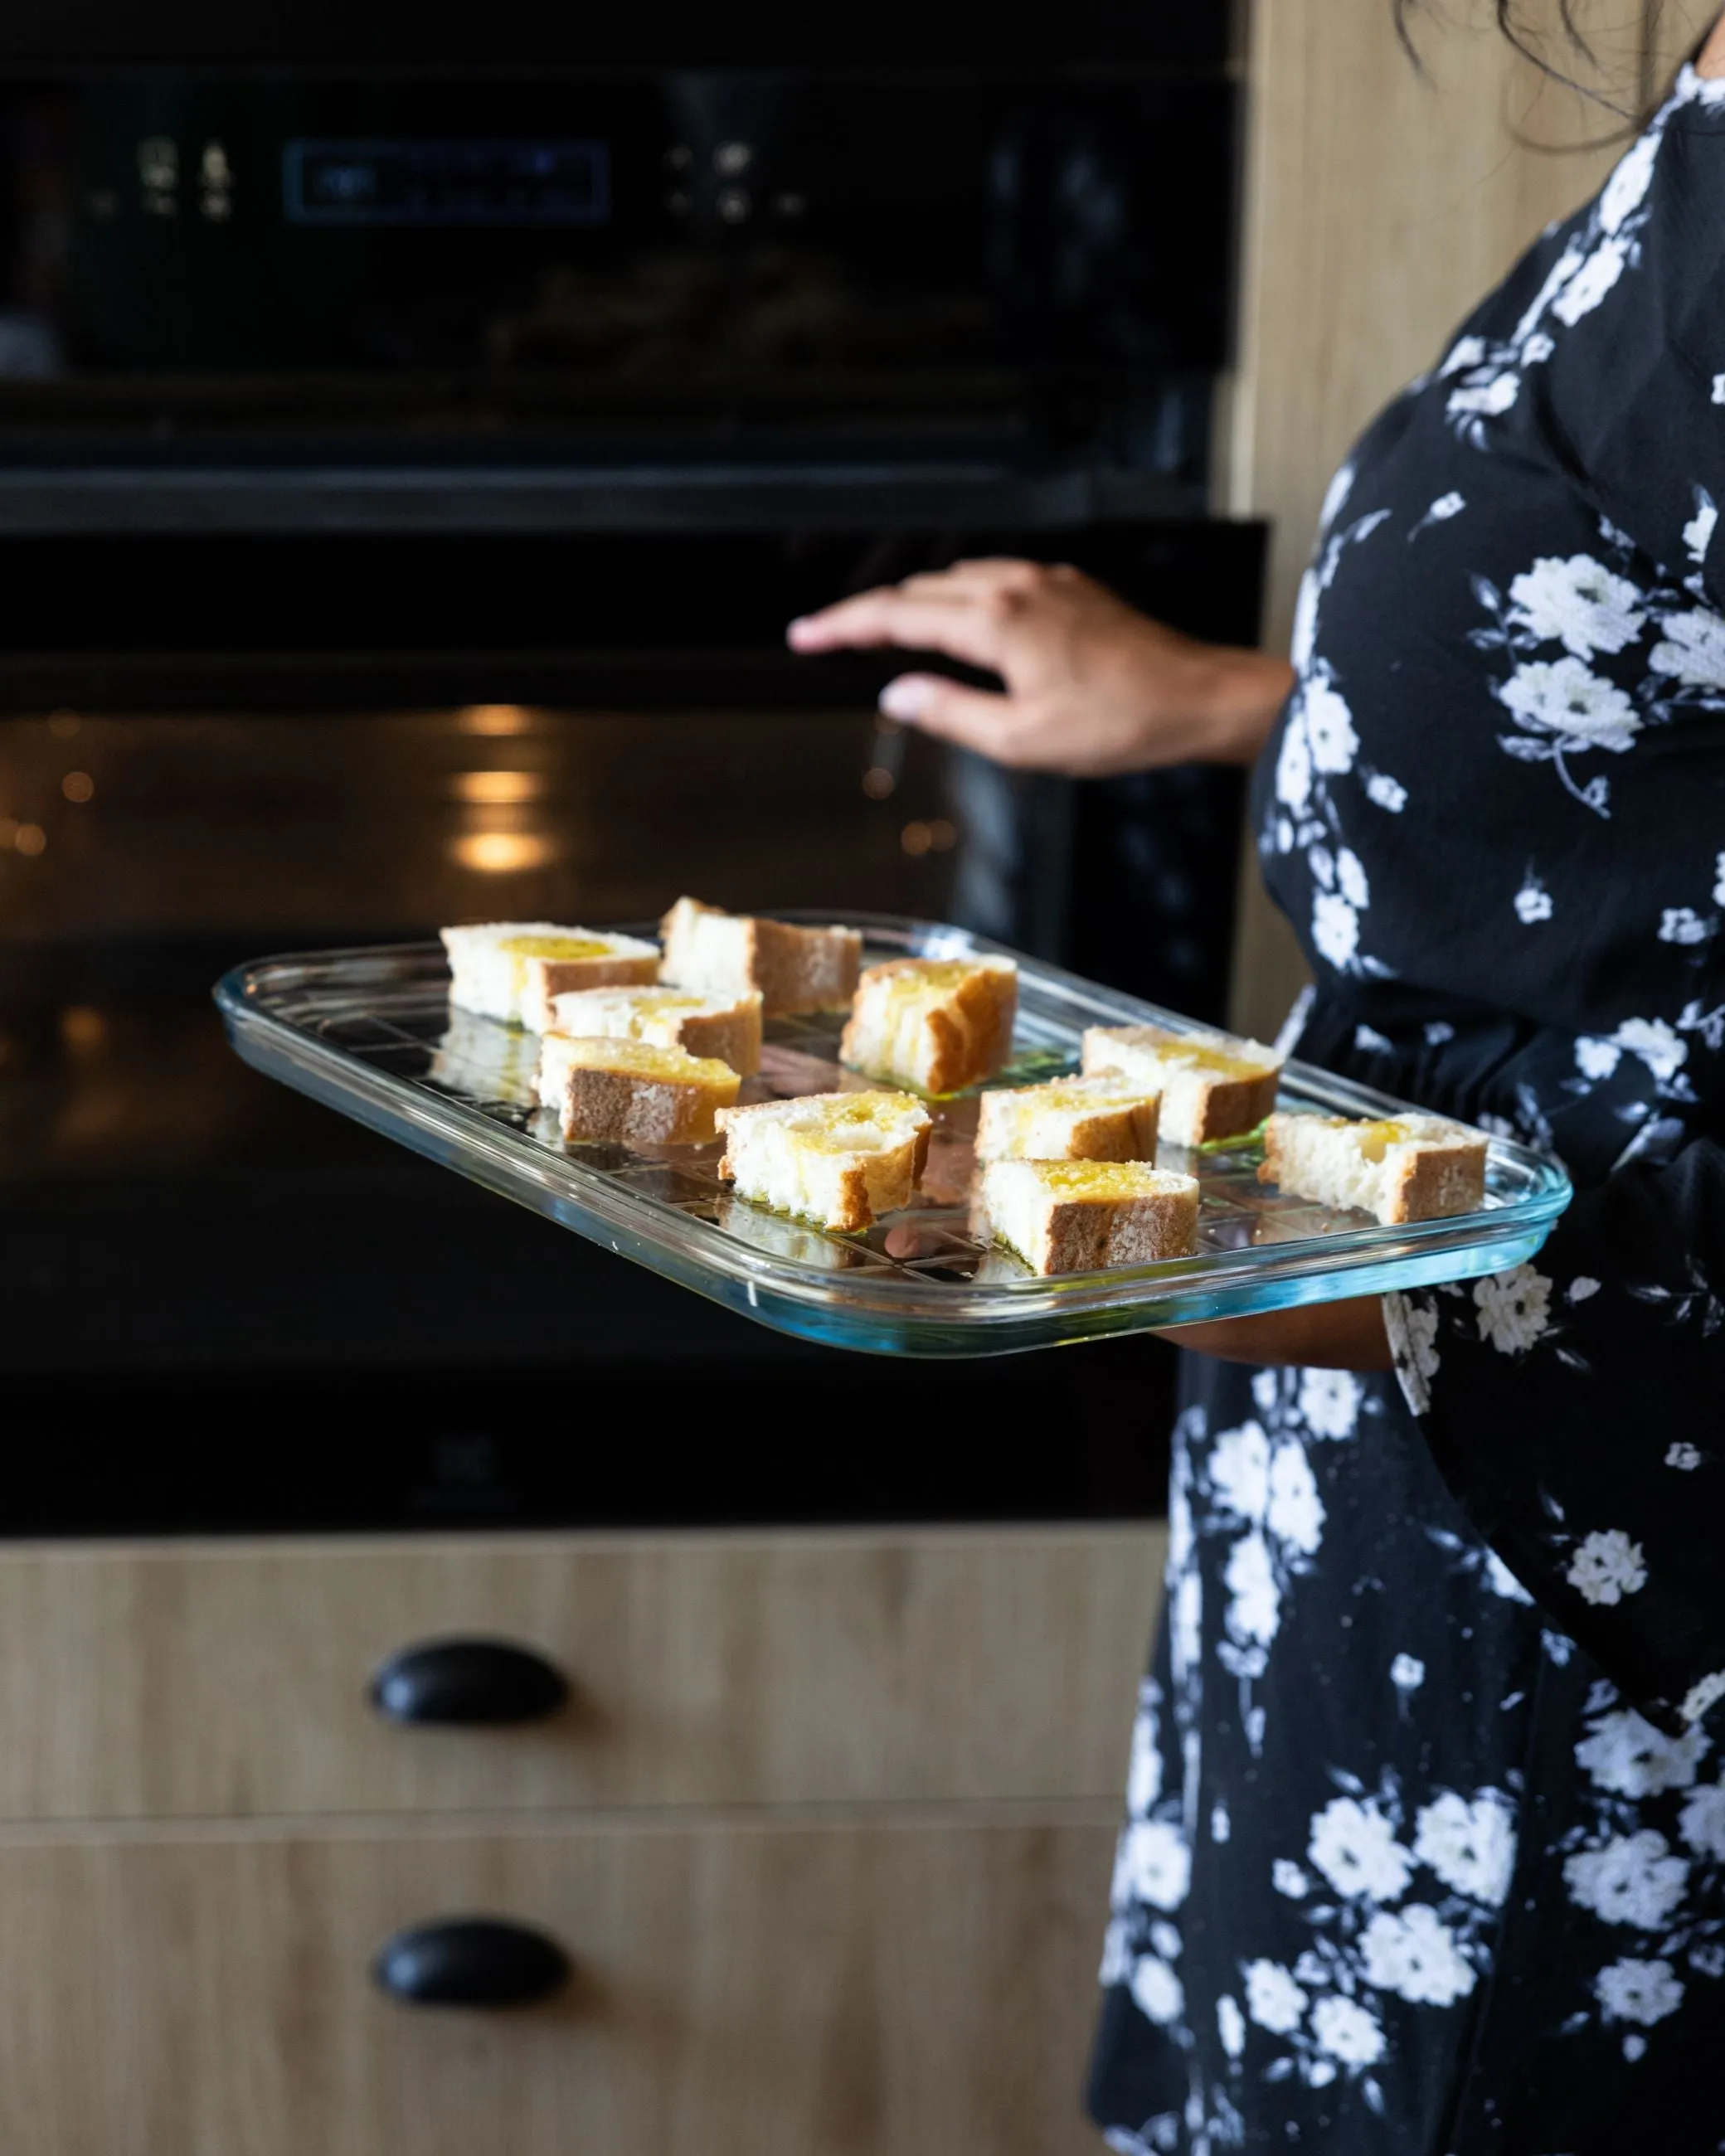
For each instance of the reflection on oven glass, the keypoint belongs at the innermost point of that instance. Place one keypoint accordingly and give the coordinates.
(140, 853)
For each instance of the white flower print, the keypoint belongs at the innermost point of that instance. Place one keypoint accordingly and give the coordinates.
(1687, 1457)
(1719, 880)
(1628, 1755)
(1702, 1822)
(1445, 507)
(1681, 924)
(1288, 1878)
(1303, 639)
(1503, 1581)
(1596, 1059)
(1643, 1991)
(1590, 284)
(1158, 1992)
(1336, 497)
(1293, 767)
(1627, 188)
(1335, 929)
(1407, 1673)
(1351, 877)
(1239, 1471)
(1116, 1953)
(1154, 1866)
(1387, 791)
(1329, 1402)
(1691, 648)
(1608, 1566)
(1413, 1952)
(1273, 1998)
(1581, 1289)
(1513, 1308)
(1634, 1879)
(1143, 1779)
(1703, 1696)
(1534, 903)
(1165, 1940)
(1488, 399)
(1698, 531)
(1471, 1846)
(1230, 2025)
(1255, 1611)
(1465, 351)
(1413, 1328)
(1348, 2031)
(1297, 1513)
(1581, 709)
(1355, 1848)
(1329, 726)
(1579, 603)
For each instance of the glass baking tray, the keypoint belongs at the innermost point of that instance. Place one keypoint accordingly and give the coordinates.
(371, 1032)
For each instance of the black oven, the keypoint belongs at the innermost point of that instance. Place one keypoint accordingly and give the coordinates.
(414, 435)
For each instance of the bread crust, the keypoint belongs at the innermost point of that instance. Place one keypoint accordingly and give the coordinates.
(1198, 1107)
(1120, 1131)
(1423, 1177)
(545, 977)
(795, 968)
(865, 1184)
(1080, 1235)
(967, 1029)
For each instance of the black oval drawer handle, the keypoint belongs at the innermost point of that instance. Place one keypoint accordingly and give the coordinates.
(468, 1681)
(470, 1961)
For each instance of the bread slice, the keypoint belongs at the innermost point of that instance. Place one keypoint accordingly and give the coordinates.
(510, 970)
(1213, 1086)
(936, 1024)
(841, 1159)
(627, 1092)
(1409, 1167)
(1077, 1216)
(728, 1027)
(727, 954)
(1068, 1119)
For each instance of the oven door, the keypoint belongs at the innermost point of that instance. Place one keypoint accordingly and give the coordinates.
(216, 747)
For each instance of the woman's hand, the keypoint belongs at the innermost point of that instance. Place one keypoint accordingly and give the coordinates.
(1092, 686)
(1321, 1336)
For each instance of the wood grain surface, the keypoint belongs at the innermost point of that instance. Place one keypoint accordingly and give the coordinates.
(899, 1984)
(230, 1679)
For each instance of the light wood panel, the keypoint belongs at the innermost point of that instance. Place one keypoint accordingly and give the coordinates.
(913, 1987)
(1380, 206)
(230, 1679)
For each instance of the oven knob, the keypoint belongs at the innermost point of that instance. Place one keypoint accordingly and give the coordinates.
(731, 160)
(733, 204)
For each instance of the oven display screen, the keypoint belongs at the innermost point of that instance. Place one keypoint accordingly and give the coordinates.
(448, 183)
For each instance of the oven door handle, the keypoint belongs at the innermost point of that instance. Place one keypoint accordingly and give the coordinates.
(469, 1683)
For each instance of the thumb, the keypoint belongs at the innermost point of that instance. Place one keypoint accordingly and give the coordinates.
(970, 718)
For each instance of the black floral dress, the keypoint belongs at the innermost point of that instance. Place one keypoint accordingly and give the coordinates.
(1425, 1844)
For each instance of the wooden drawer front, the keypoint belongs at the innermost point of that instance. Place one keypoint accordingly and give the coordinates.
(228, 1680)
(851, 1988)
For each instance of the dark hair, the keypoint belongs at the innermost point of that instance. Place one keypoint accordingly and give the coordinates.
(1518, 21)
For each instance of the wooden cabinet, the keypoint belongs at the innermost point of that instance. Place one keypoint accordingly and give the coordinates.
(912, 1985)
(826, 1835)
(224, 1679)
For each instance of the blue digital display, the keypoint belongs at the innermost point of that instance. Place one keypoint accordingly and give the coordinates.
(446, 182)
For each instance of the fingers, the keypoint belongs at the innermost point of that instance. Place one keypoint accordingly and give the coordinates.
(970, 718)
(962, 611)
(954, 622)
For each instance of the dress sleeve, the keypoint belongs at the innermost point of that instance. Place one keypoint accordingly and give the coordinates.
(1631, 334)
(1576, 1408)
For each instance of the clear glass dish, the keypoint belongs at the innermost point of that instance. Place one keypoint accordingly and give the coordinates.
(370, 1033)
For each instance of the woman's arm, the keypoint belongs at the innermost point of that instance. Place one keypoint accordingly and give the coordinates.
(1320, 1335)
(1092, 686)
